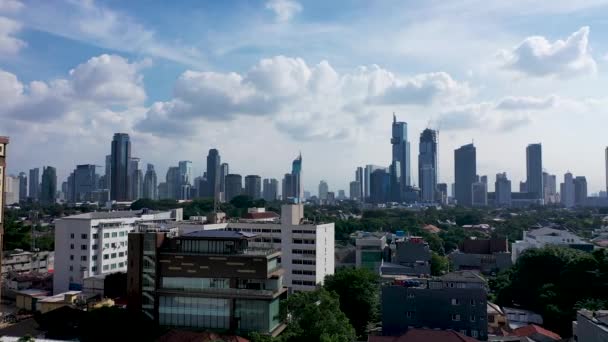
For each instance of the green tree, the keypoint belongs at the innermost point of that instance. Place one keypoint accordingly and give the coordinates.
(315, 316)
(130, 325)
(439, 264)
(358, 290)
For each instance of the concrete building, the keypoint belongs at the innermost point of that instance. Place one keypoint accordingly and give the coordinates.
(19, 262)
(48, 187)
(400, 159)
(22, 187)
(479, 191)
(580, 191)
(455, 301)
(96, 243)
(323, 190)
(488, 256)
(253, 186)
(411, 257)
(442, 193)
(287, 187)
(465, 174)
(121, 156)
(534, 170)
(359, 176)
(206, 280)
(11, 190)
(590, 326)
(150, 185)
(502, 188)
(85, 183)
(34, 184)
(270, 189)
(3, 154)
(367, 174)
(355, 191)
(567, 191)
(427, 165)
(234, 186)
(371, 251)
(550, 187)
(542, 237)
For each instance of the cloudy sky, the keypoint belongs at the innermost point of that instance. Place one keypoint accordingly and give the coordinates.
(263, 80)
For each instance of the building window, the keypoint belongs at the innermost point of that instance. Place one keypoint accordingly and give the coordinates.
(72, 236)
(411, 295)
(409, 314)
(473, 318)
(114, 234)
(71, 246)
(95, 236)
(455, 301)
(455, 317)
(113, 255)
(94, 247)
(121, 254)
(94, 269)
(94, 258)
(121, 264)
(71, 256)
(472, 301)
(83, 247)
(474, 333)
(106, 245)
(490, 318)
(83, 236)
(106, 267)
(106, 256)
(106, 235)
(71, 268)
(83, 258)
(113, 266)
(451, 284)
(464, 332)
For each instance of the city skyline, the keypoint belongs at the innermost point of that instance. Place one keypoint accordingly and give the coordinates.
(62, 103)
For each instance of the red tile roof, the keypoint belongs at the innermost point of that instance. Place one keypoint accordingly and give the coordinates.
(260, 216)
(424, 335)
(206, 336)
(533, 329)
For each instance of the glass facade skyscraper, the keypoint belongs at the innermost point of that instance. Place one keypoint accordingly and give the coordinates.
(213, 173)
(121, 157)
(465, 174)
(401, 159)
(534, 170)
(296, 173)
(427, 165)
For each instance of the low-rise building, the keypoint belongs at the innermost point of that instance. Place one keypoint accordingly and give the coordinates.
(517, 318)
(484, 255)
(455, 301)
(412, 257)
(19, 262)
(210, 279)
(590, 326)
(371, 251)
(542, 237)
(497, 320)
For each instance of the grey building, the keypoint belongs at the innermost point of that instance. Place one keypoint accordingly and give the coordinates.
(456, 301)
(173, 181)
(323, 191)
(108, 174)
(427, 165)
(367, 174)
(234, 186)
(287, 187)
(150, 183)
(379, 189)
(121, 157)
(85, 182)
(296, 179)
(22, 187)
(224, 171)
(213, 173)
(355, 191)
(34, 184)
(400, 158)
(484, 255)
(359, 178)
(580, 190)
(412, 257)
(136, 179)
(253, 186)
(534, 170)
(185, 171)
(590, 326)
(48, 187)
(270, 189)
(442, 193)
(502, 188)
(465, 174)
(479, 191)
(567, 191)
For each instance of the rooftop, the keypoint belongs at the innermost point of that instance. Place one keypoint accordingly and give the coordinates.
(533, 329)
(100, 215)
(546, 231)
(219, 234)
(424, 335)
(463, 276)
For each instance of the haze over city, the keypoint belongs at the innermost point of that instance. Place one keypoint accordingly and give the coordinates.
(262, 81)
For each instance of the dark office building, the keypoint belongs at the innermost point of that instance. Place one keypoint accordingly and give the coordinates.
(534, 170)
(121, 157)
(22, 187)
(48, 187)
(580, 190)
(379, 186)
(487, 256)
(465, 174)
(253, 186)
(234, 186)
(455, 301)
(213, 173)
(270, 189)
(287, 187)
(427, 165)
(34, 186)
(85, 182)
(205, 280)
(400, 158)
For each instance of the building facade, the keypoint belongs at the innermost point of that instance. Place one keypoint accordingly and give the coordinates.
(465, 174)
(270, 191)
(213, 173)
(121, 157)
(3, 153)
(206, 280)
(48, 186)
(234, 186)
(534, 170)
(427, 165)
(34, 184)
(253, 186)
(95, 243)
(150, 183)
(502, 188)
(580, 191)
(400, 159)
(567, 191)
(22, 187)
(539, 238)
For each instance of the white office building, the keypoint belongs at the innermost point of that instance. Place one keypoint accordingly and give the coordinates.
(307, 248)
(93, 244)
(542, 237)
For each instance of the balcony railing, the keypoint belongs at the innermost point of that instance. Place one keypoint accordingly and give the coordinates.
(227, 291)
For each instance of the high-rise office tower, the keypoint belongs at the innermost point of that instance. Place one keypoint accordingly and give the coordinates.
(580, 191)
(323, 190)
(173, 180)
(567, 191)
(379, 188)
(48, 187)
(135, 179)
(119, 175)
(185, 171)
(213, 173)
(253, 186)
(550, 188)
(270, 189)
(22, 187)
(401, 154)
(534, 170)
(34, 189)
(355, 191)
(465, 173)
(359, 179)
(479, 191)
(502, 188)
(287, 187)
(3, 153)
(296, 178)
(224, 170)
(108, 174)
(367, 173)
(427, 165)
(84, 182)
(11, 190)
(163, 192)
(442, 192)
(606, 157)
(234, 186)
(150, 183)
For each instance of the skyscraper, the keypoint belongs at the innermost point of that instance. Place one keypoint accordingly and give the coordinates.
(567, 191)
(253, 186)
(213, 173)
(120, 158)
(355, 191)
(22, 187)
(287, 187)
(323, 190)
(606, 152)
(150, 183)
(367, 173)
(108, 174)
(135, 179)
(270, 189)
(359, 179)
(427, 165)
(84, 182)
(465, 173)
(34, 190)
(379, 186)
(550, 188)
(296, 174)
(3, 153)
(48, 187)
(234, 186)
(185, 171)
(174, 183)
(401, 154)
(580, 191)
(479, 191)
(224, 170)
(502, 190)
(534, 170)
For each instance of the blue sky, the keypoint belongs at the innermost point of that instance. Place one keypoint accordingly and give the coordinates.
(263, 80)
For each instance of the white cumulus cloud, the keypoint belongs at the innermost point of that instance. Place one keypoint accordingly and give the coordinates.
(284, 10)
(9, 44)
